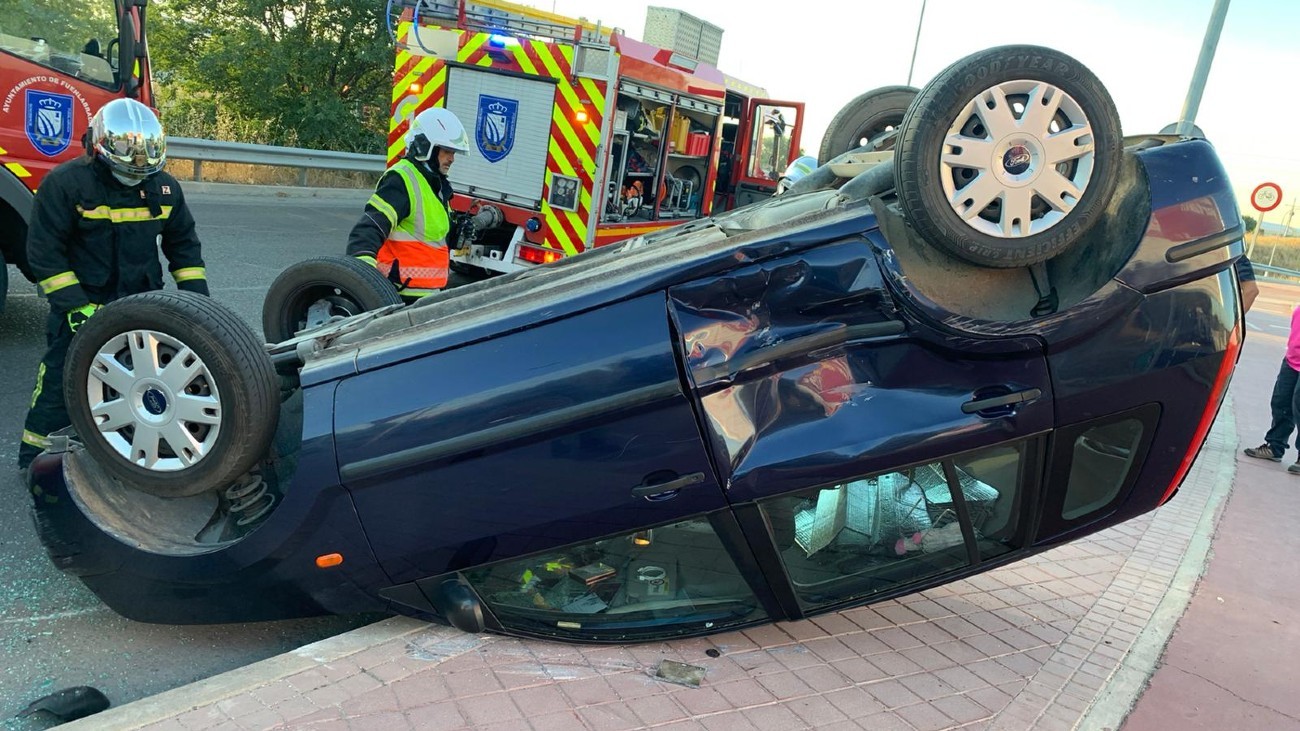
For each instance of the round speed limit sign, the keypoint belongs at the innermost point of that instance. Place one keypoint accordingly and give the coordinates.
(1266, 197)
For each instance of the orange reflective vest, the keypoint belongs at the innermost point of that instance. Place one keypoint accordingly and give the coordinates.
(417, 245)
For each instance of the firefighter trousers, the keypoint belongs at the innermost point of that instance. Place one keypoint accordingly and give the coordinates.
(48, 412)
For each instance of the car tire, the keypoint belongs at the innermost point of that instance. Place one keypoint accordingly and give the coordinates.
(310, 292)
(979, 178)
(199, 413)
(4, 284)
(865, 119)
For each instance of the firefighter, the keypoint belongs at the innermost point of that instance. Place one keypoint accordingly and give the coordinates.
(404, 228)
(96, 225)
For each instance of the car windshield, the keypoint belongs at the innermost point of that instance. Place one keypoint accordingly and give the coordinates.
(72, 38)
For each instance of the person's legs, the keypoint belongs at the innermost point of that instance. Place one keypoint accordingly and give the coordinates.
(47, 412)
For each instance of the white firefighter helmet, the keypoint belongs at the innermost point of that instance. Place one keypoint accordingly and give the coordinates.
(433, 128)
(128, 137)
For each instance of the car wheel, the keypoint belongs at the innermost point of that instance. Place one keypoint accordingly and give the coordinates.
(171, 392)
(1008, 156)
(870, 118)
(309, 293)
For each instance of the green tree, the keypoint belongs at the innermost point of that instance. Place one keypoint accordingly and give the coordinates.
(309, 73)
(1250, 223)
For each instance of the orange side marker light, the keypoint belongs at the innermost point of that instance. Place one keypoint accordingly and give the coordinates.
(329, 560)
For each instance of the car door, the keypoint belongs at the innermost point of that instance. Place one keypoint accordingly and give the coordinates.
(558, 471)
(862, 450)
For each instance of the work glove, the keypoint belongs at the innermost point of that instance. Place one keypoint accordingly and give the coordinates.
(78, 317)
(367, 259)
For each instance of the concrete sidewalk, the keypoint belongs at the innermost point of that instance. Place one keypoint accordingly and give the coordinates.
(1067, 639)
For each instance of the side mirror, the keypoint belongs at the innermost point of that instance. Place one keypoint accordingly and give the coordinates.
(458, 603)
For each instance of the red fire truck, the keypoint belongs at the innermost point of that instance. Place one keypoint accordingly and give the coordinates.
(59, 62)
(581, 136)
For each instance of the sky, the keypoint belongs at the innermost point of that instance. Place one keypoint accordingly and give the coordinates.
(1144, 51)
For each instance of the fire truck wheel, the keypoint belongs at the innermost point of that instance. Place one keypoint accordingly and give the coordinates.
(309, 293)
(867, 119)
(1008, 156)
(171, 392)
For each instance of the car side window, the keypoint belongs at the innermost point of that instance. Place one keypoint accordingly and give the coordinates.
(656, 582)
(885, 531)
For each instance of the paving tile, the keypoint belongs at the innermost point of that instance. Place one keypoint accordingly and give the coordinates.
(616, 716)
(830, 649)
(925, 717)
(835, 624)
(891, 694)
(899, 614)
(824, 678)
(379, 700)
(732, 642)
(438, 717)
(659, 709)
(758, 662)
(895, 664)
(795, 657)
(263, 719)
(540, 700)
(743, 693)
(927, 686)
(896, 638)
(240, 705)
(929, 609)
(858, 670)
(991, 698)
(960, 652)
(774, 718)
(961, 709)
(588, 691)
(783, 686)
(992, 672)
(638, 684)
(989, 645)
(883, 722)
(802, 630)
(867, 618)
(518, 724)
(472, 682)
(855, 702)
(701, 701)
(816, 711)
(768, 635)
(485, 709)
(566, 721)
(1020, 663)
(864, 644)
(420, 690)
(730, 721)
(927, 658)
(988, 621)
(294, 708)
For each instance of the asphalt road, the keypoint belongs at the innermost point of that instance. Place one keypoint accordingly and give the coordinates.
(53, 632)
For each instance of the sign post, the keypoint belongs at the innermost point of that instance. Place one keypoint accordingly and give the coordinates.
(1264, 198)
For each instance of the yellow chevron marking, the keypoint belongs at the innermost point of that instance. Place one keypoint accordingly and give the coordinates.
(565, 127)
(17, 169)
(417, 72)
(475, 42)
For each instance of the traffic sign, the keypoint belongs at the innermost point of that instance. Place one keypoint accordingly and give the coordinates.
(1266, 197)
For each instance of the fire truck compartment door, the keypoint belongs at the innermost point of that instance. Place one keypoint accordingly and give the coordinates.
(508, 119)
(771, 132)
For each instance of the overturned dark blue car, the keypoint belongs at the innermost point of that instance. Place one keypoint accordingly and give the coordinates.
(997, 326)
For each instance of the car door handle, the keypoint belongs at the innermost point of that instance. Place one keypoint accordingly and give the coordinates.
(661, 488)
(980, 405)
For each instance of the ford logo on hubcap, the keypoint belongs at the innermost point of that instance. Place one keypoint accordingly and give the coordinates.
(154, 401)
(1016, 160)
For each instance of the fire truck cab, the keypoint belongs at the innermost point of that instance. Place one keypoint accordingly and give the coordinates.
(581, 136)
(59, 63)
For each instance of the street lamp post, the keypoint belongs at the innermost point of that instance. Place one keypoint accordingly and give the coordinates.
(1187, 119)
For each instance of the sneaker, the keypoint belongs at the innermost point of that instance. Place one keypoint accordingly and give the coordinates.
(1294, 469)
(1263, 451)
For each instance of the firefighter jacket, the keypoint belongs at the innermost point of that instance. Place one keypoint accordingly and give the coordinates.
(405, 227)
(93, 239)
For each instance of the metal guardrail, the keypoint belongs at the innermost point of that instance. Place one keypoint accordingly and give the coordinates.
(200, 151)
(1275, 271)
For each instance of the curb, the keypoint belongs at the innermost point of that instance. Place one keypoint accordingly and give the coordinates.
(172, 703)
